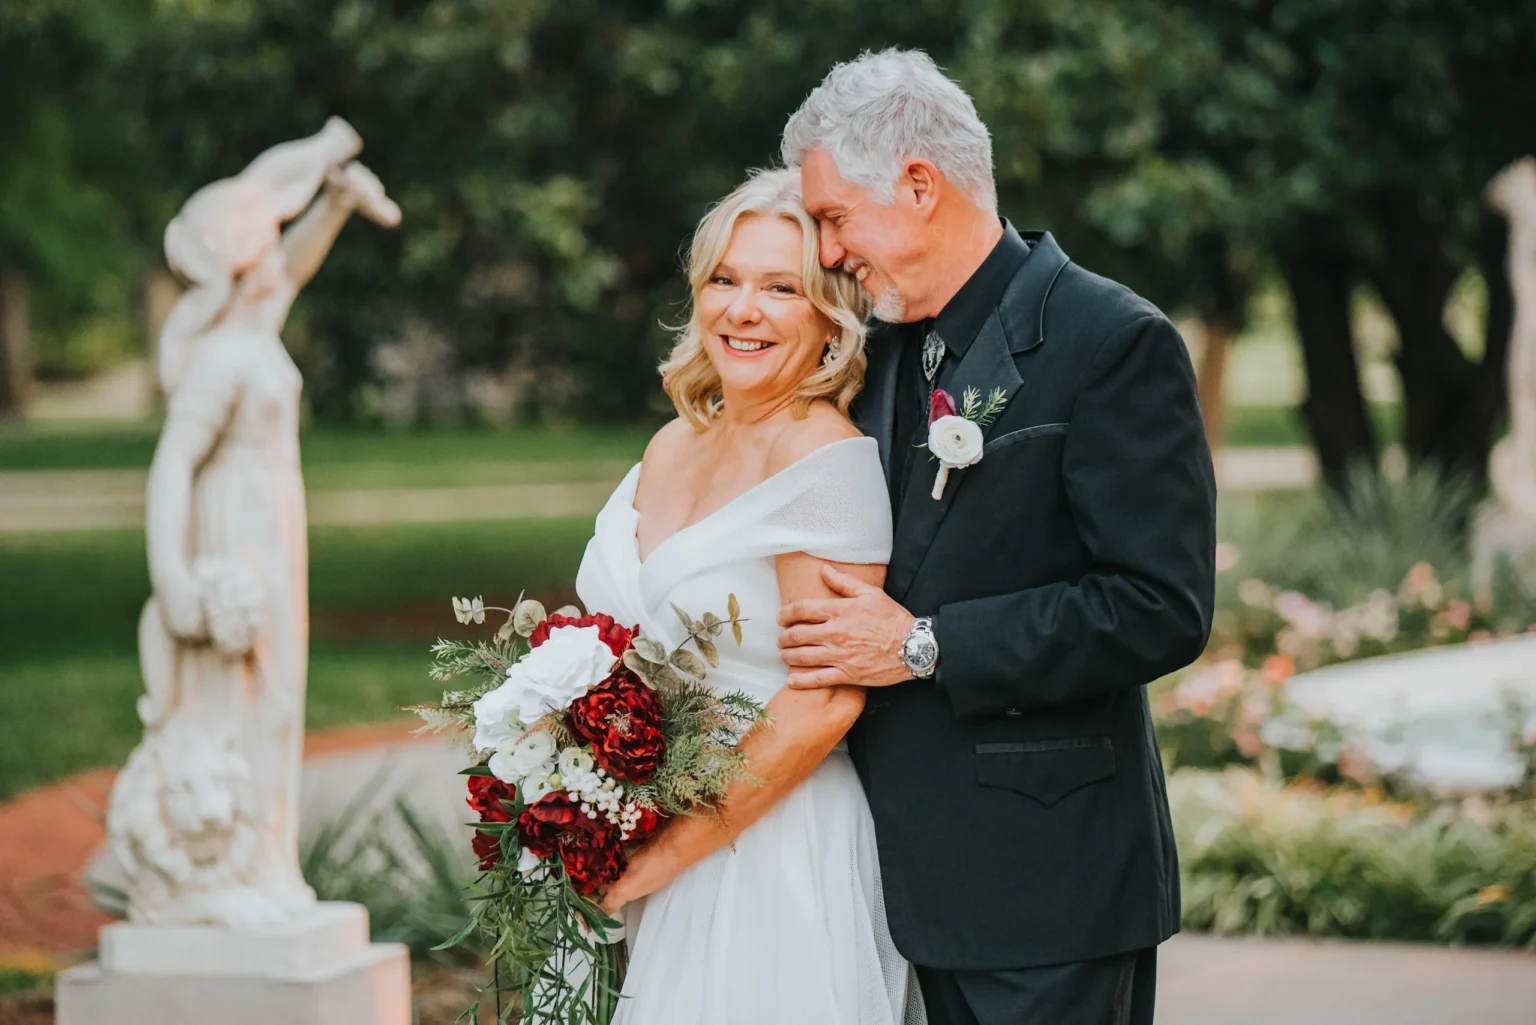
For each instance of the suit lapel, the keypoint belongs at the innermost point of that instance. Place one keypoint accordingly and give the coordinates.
(988, 364)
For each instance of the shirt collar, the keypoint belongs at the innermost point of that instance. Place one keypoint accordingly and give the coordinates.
(963, 316)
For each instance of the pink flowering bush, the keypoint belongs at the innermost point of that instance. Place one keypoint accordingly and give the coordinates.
(1215, 712)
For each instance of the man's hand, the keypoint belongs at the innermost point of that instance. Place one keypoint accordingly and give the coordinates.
(854, 639)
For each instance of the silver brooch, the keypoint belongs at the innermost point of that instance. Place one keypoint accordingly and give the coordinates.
(933, 355)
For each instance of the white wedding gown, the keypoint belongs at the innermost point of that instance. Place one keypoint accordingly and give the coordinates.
(787, 928)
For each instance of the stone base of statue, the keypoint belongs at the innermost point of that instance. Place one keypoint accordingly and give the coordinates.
(316, 969)
(1502, 535)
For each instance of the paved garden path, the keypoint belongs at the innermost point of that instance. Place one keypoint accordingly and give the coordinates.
(50, 500)
(1208, 981)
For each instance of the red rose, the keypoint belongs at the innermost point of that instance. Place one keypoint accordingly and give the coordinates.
(486, 794)
(646, 824)
(615, 636)
(593, 859)
(487, 849)
(543, 823)
(940, 405)
(621, 719)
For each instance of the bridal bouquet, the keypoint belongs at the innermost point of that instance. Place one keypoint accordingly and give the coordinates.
(585, 736)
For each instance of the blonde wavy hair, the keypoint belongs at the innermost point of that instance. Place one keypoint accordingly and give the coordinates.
(688, 375)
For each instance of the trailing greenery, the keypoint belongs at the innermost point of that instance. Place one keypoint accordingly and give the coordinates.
(1261, 859)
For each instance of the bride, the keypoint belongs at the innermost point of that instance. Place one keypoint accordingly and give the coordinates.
(772, 913)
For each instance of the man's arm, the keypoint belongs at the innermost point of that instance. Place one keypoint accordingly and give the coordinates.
(804, 726)
(1142, 492)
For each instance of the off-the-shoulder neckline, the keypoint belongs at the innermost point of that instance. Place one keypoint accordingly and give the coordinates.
(634, 483)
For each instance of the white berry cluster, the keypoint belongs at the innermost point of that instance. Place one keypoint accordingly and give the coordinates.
(597, 793)
(628, 819)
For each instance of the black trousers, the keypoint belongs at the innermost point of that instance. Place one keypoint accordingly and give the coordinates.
(1117, 990)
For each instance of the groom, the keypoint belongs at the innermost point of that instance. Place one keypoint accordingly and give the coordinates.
(1006, 745)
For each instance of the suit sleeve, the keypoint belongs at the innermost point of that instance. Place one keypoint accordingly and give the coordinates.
(1139, 481)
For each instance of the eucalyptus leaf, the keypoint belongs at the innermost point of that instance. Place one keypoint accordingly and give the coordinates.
(665, 676)
(689, 663)
(708, 650)
(687, 619)
(651, 650)
(569, 611)
(527, 616)
(736, 631)
(507, 629)
(637, 664)
(712, 624)
(732, 607)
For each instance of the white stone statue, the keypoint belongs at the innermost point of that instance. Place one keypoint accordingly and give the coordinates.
(204, 817)
(1508, 526)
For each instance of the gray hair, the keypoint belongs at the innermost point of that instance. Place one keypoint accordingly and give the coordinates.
(873, 113)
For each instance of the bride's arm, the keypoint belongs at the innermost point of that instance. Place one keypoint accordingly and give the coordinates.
(804, 727)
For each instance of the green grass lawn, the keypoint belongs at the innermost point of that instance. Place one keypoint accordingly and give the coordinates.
(360, 458)
(69, 605)
(357, 457)
(1282, 425)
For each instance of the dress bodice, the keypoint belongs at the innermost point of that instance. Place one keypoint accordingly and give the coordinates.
(831, 504)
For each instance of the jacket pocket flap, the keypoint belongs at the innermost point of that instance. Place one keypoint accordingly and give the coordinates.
(1045, 770)
(1023, 434)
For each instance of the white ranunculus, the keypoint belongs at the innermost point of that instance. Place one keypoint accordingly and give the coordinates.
(515, 759)
(575, 762)
(956, 441)
(567, 665)
(538, 784)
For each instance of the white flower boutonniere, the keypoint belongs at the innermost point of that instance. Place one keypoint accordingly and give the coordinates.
(954, 435)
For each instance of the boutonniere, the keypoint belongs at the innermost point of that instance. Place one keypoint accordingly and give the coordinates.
(954, 436)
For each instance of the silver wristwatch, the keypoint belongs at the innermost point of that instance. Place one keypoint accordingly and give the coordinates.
(920, 651)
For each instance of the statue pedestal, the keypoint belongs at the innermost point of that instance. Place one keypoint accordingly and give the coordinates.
(1501, 534)
(314, 970)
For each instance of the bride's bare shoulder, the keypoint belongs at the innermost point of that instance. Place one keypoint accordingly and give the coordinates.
(822, 426)
(668, 444)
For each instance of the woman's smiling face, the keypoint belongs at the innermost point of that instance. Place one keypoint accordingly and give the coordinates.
(761, 331)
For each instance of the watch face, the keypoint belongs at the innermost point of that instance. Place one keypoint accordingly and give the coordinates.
(920, 652)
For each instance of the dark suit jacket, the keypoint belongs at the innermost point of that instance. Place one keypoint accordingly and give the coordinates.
(1018, 797)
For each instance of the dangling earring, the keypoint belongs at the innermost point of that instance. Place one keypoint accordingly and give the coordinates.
(834, 347)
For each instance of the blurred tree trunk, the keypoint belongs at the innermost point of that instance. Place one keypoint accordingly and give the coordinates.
(1450, 403)
(161, 293)
(1211, 376)
(1334, 409)
(15, 346)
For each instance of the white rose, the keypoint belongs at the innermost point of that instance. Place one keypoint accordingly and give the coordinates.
(496, 720)
(956, 441)
(550, 677)
(515, 759)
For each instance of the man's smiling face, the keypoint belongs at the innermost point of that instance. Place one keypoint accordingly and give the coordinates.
(876, 243)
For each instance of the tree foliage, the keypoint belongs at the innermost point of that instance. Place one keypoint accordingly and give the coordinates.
(552, 158)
